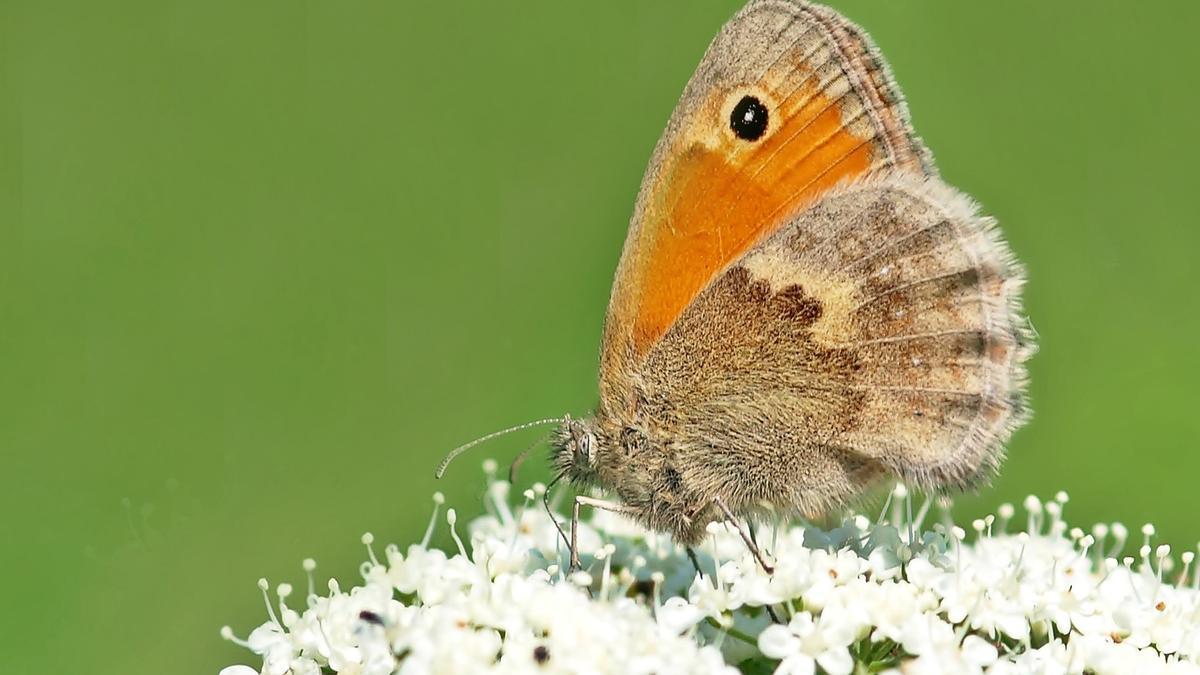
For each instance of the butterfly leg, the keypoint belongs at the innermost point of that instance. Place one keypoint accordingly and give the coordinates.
(749, 541)
(691, 553)
(770, 610)
(581, 500)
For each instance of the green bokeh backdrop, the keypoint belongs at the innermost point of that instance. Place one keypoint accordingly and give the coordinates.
(262, 263)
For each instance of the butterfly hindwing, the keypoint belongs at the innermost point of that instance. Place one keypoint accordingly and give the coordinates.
(877, 330)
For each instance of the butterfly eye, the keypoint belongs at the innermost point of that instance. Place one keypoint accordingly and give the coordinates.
(749, 119)
(587, 448)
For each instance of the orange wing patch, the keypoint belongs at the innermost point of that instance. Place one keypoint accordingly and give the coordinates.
(716, 200)
(834, 114)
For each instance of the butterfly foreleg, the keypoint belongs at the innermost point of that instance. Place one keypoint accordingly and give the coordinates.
(582, 500)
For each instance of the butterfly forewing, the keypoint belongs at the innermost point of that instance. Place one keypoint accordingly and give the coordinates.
(709, 195)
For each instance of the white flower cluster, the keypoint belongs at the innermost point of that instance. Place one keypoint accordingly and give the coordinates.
(891, 595)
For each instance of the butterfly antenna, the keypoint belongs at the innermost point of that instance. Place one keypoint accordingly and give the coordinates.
(520, 459)
(463, 448)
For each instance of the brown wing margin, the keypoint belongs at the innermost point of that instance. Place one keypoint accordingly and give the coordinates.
(873, 77)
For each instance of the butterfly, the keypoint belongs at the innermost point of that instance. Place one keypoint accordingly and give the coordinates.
(803, 309)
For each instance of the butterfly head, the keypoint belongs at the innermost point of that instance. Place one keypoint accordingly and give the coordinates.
(575, 448)
(624, 463)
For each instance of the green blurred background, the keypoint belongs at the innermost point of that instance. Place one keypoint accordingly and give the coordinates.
(263, 263)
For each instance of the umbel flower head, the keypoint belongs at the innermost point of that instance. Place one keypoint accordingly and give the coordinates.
(893, 594)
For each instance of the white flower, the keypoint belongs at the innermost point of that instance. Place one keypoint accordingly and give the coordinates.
(711, 597)
(891, 596)
(892, 606)
(677, 615)
(806, 643)
(940, 650)
(273, 644)
(1052, 658)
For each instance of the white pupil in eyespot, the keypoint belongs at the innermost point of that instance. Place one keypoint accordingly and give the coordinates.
(748, 120)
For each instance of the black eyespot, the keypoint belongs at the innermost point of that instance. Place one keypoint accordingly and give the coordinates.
(541, 654)
(749, 119)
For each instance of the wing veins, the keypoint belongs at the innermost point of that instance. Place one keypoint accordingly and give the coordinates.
(890, 245)
(917, 390)
(911, 284)
(914, 336)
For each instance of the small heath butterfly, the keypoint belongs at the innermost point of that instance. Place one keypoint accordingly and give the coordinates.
(802, 307)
